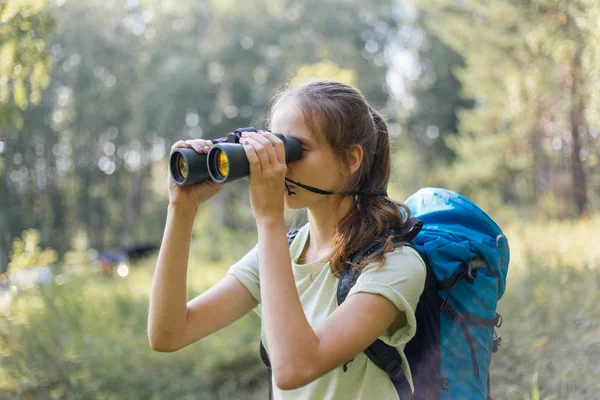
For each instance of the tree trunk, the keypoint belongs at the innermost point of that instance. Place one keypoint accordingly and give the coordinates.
(577, 125)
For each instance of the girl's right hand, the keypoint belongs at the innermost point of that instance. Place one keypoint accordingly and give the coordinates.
(192, 196)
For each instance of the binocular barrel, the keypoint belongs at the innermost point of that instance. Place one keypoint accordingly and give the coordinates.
(225, 162)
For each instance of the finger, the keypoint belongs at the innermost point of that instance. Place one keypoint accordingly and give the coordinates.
(253, 157)
(266, 144)
(261, 152)
(203, 142)
(179, 144)
(192, 144)
(278, 145)
(200, 145)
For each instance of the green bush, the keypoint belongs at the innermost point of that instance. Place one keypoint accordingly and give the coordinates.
(26, 252)
(85, 337)
(550, 335)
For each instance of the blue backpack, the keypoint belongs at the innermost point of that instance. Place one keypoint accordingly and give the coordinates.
(467, 257)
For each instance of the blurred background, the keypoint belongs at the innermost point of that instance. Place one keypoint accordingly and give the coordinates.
(499, 101)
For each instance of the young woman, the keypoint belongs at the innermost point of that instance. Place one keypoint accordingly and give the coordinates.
(341, 180)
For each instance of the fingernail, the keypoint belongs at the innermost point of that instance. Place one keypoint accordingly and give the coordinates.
(244, 133)
(206, 148)
(244, 142)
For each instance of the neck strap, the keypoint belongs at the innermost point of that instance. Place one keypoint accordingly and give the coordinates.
(325, 192)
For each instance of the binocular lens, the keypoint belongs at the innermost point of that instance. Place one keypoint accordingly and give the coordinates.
(222, 165)
(188, 167)
(182, 167)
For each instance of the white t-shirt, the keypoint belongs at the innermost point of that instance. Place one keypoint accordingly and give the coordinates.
(401, 280)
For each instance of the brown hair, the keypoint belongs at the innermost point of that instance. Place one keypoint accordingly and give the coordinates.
(339, 114)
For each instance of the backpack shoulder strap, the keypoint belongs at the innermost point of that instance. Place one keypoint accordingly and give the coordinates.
(385, 357)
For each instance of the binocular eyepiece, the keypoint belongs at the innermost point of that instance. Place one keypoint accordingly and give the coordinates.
(226, 160)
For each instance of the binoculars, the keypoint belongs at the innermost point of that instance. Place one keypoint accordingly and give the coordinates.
(226, 160)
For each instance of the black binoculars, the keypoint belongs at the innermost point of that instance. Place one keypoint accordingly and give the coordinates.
(226, 160)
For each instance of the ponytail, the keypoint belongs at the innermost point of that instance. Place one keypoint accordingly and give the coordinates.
(373, 216)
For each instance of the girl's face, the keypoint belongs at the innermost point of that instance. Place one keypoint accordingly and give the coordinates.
(317, 167)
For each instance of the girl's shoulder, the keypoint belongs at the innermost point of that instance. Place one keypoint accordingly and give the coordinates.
(403, 260)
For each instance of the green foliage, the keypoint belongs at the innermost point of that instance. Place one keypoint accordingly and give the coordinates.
(26, 252)
(532, 70)
(535, 389)
(549, 333)
(323, 70)
(127, 82)
(434, 118)
(551, 312)
(223, 239)
(80, 256)
(85, 338)
(24, 61)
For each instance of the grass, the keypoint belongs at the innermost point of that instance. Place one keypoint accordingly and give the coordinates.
(551, 335)
(551, 308)
(86, 338)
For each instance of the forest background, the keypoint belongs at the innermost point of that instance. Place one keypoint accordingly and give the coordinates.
(496, 100)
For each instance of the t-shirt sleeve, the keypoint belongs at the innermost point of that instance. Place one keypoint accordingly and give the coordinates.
(401, 280)
(246, 270)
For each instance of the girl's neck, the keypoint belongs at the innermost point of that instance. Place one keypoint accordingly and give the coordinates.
(323, 221)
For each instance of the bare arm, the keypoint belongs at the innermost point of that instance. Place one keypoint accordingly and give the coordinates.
(173, 324)
(350, 329)
(168, 310)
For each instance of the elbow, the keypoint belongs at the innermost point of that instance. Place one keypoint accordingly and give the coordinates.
(161, 339)
(161, 346)
(291, 377)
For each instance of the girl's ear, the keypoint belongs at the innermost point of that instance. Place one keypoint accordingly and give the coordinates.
(355, 157)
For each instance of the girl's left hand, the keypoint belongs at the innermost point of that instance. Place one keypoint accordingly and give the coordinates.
(266, 156)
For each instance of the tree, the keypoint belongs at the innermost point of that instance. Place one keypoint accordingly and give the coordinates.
(25, 62)
(128, 81)
(438, 101)
(525, 69)
(24, 65)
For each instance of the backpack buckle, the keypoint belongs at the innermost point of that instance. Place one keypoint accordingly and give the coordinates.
(471, 272)
(394, 369)
(496, 343)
